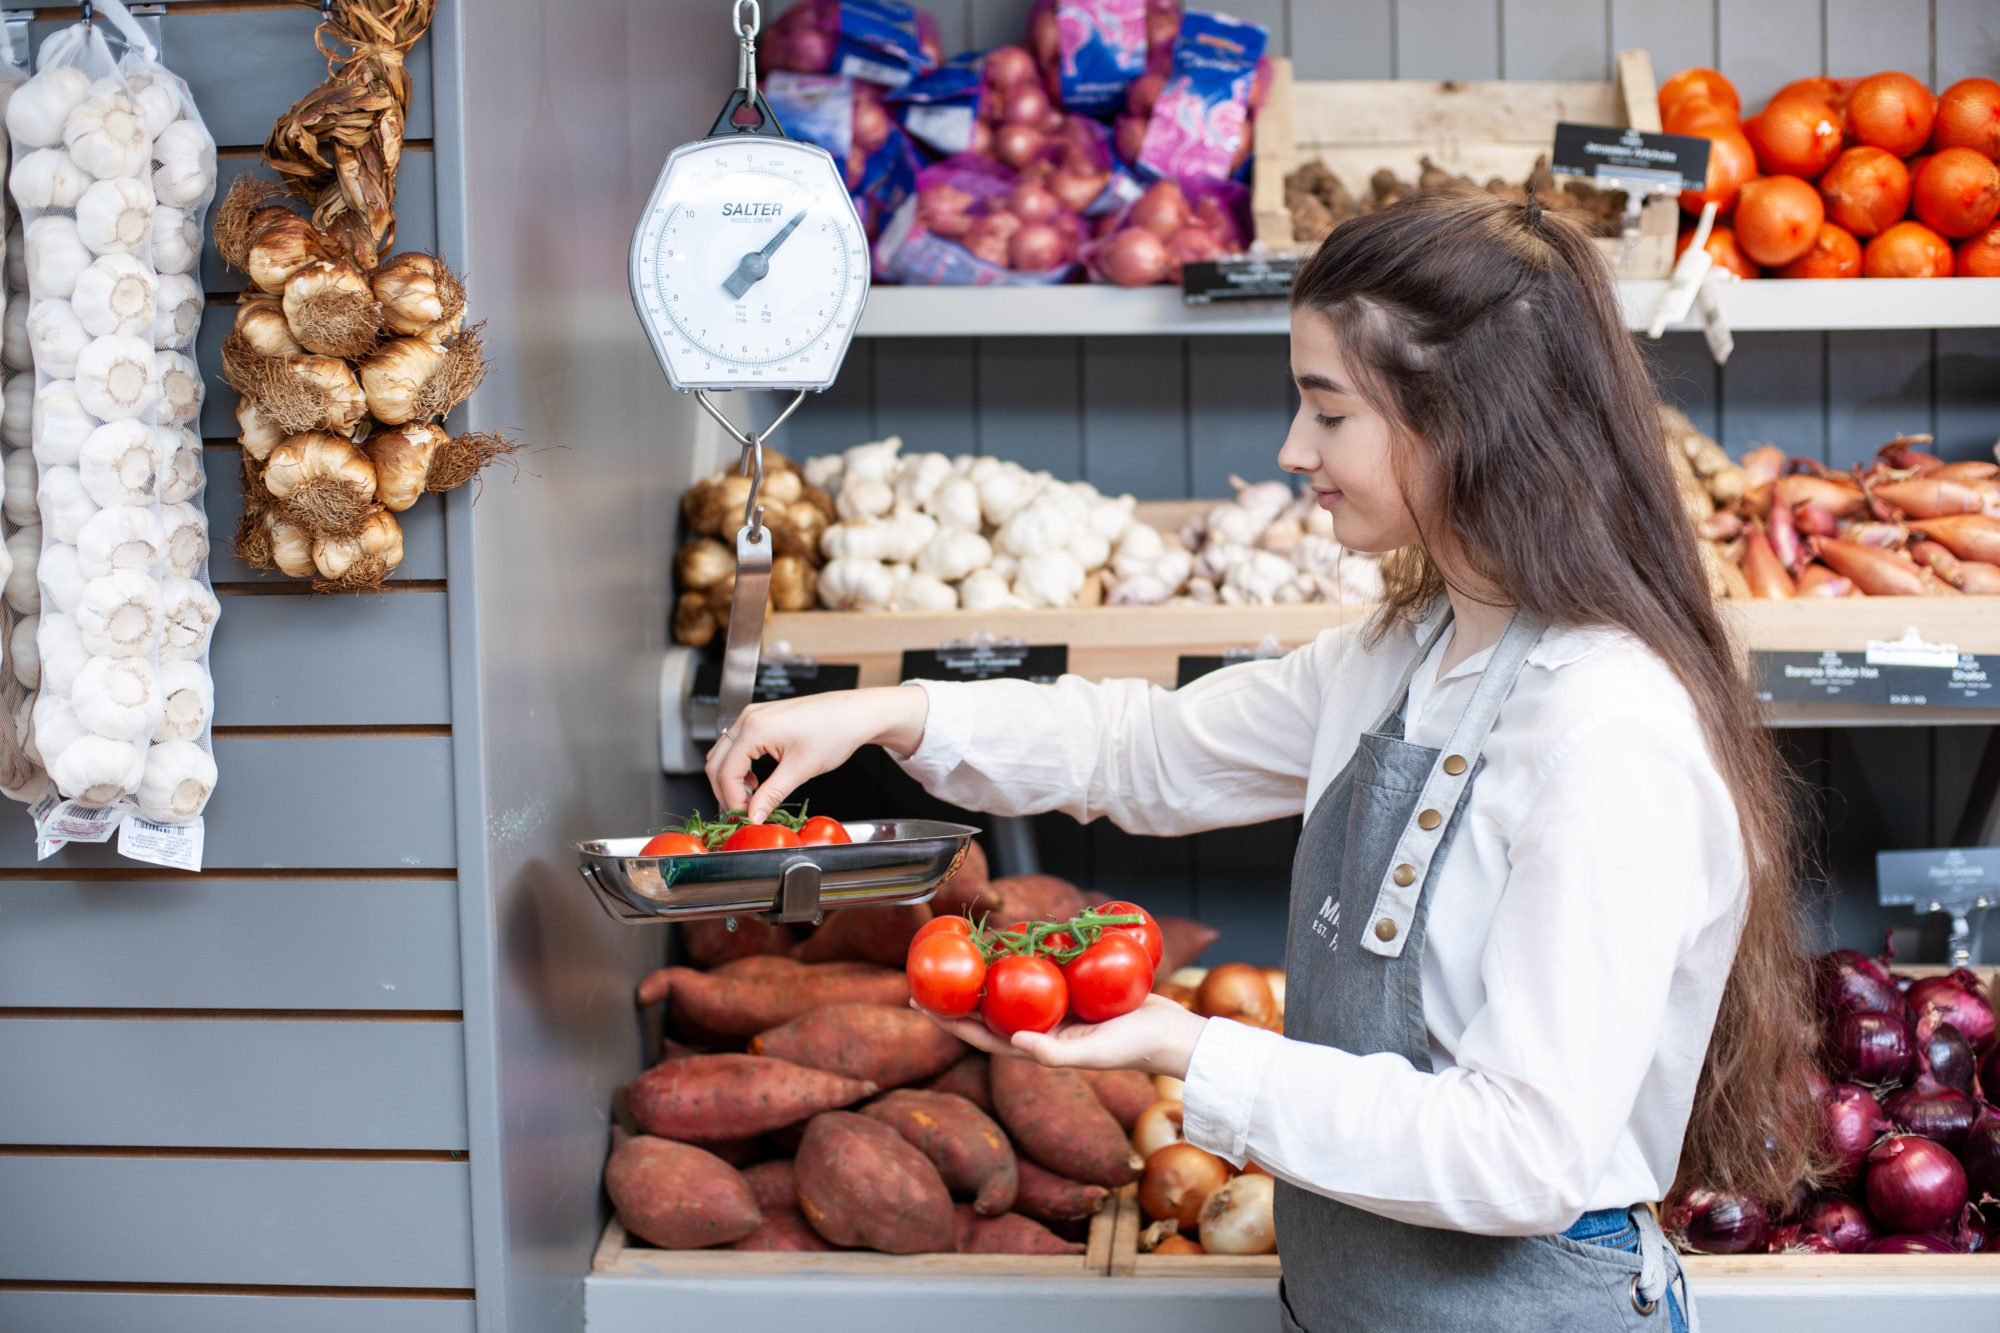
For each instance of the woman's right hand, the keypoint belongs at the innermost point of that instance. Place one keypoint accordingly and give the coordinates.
(808, 736)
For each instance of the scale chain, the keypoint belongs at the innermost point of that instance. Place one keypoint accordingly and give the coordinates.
(746, 32)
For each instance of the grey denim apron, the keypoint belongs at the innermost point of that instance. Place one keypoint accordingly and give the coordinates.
(1353, 974)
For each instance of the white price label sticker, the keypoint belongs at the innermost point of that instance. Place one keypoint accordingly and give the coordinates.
(175, 846)
(945, 128)
(71, 822)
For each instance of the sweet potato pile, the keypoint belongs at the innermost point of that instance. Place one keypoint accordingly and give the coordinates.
(801, 1104)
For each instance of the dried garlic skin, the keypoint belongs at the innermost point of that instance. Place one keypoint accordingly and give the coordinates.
(379, 544)
(395, 374)
(794, 584)
(317, 456)
(703, 563)
(420, 297)
(402, 460)
(285, 244)
(331, 309)
(291, 546)
(261, 323)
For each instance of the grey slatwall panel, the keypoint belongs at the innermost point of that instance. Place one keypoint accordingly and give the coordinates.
(220, 1220)
(1031, 404)
(1269, 13)
(229, 944)
(1968, 392)
(1685, 375)
(842, 416)
(1763, 387)
(423, 530)
(1447, 39)
(1863, 36)
(332, 661)
(164, 1312)
(218, 1084)
(1156, 872)
(998, 22)
(1555, 39)
(1134, 416)
(1352, 40)
(246, 68)
(1878, 386)
(416, 211)
(1765, 44)
(924, 392)
(1243, 887)
(1677, 33)
(1968, 40)
(1240, 405)
(306, 802)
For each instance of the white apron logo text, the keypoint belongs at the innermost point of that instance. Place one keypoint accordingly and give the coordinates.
(1327, 924)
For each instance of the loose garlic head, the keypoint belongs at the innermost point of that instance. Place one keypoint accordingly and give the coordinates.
(180, 388)
(114, 377)
(56, 256)
(118, 697)
(291, 545)
(119, 464)
(420, 297)
(402, 459)
(47, 178)
(261, 322)
(176, 240)
(115, 296)
(177, 780)
(185, 177)
(38, 109)
(177, 307)
(106, 134)
(286, 244)
(395, 374)
(115, 216)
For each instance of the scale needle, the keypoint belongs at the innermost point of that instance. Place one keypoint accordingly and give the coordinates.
(757, 263)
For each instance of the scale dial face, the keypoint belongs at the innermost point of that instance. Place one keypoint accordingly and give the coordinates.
(750, 267)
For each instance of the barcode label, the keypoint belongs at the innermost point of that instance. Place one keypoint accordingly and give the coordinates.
(176, 846)
(39, 811)
(71, 822)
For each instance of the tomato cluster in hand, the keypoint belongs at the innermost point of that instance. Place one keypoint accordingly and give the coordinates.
(1028, 977)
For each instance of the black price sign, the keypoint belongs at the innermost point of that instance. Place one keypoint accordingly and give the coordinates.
(1669, 161)
(1946, 876)
(1238, 280)
(1040, 662)
(776, 680)
(1851, 678)
(1192, 669)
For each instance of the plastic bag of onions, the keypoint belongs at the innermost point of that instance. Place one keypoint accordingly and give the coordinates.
(22, 777)
(881, 40)
(975, 223)
(1166, 227)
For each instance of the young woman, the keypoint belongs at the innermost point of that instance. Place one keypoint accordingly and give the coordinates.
(1544, 956)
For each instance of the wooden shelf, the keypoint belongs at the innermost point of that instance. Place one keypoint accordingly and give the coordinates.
(1762, 305)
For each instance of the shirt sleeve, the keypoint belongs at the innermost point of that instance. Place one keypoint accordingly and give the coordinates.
(1231, 748)
(1625, 871)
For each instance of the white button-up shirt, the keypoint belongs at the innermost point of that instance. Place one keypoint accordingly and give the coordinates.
(1581, 924)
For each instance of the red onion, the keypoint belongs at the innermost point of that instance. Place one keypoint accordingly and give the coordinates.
(1929, 1108)
(1852, 982)
(1162, 210)
(1969, 1234)
(1962, 1001)
(1018, 145)
(1025, 104)
(1842, 1223)
(1980, 1156)
(1795, 1239)
(1707, 1222)
(1007, 66)
(1135, 257)
(1989, 1075)
(1052, 123)
(1035, 248)
(1943, 1051)
(1914, 1184)
(1031, 203)
(1144, 91)
(1209, 212)
(1910, 1244)
(1867, 1047)
(1854, 1121)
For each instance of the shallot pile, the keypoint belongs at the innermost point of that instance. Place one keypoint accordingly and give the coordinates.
(1905, 1074)
(1873, 177)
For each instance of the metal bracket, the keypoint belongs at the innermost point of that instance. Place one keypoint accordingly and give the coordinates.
(798, 895)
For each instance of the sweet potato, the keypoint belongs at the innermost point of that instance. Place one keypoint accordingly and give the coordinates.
(1010, 1233)
(1056, 1119)
(742, 1005)
(711, 943)
(676, 1196)
(888, 1045)
(788, 1232)
(861, 1184)
(1181, 942)
(968, 1079)
(965, 885)
(772, 1183)
(706, 1098)
(1048, 1197)
(1124, 1092)
(868, 934)
(1016, 898)
(961, 1141)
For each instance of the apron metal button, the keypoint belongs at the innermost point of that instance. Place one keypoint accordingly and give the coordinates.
(1454, 764)
(1385, 929)
(1429, 819)
(1404, 874)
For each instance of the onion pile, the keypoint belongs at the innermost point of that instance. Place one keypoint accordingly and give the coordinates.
(1160, 231)
(1872, 177)
(1916, 1148)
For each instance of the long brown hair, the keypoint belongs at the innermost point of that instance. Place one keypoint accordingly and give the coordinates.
(1491, 335)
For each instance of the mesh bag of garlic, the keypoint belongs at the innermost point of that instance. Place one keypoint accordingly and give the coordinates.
(90, 146)
(22, 777)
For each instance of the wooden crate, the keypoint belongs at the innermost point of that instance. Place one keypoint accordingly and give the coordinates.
(1478, 128)
(618, 1253)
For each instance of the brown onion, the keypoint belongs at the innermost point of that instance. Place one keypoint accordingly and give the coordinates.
(1236, 1219)
(1078, 190)
(1135, 257)
(1236, 990)
(1018, 145)
(1007, 66)
(1032, 202)
(1179, 1177)
(1035, 248)
(1157, 1126)
(1025, 104)
(1162, 210)
(1178, 1244)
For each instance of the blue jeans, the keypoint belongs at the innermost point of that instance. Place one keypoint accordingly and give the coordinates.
(1613, 1229)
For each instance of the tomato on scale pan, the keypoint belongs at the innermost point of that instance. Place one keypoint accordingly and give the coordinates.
(732, 831)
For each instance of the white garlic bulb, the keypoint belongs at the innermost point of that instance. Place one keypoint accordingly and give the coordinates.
(56, 256)
(118, 697)
(987, 590)
(120, 537)
(1137, 550)
(158, 100)
(180, 388)
(868, 539)
(185, 177)
(177, 306)
(190, 701)
(1089, 548)
(20, 505)
(953, 554)
(115, 216)
(1041, 525)
(291, 546)
(1003, 491)
(921, 593)
(1142, 589)
(114, 377)
(47, 178)
(873, 461)
(106, 135)
(61, 579)
(191, 613)
(56, 337)
(22, 652)
(863, 498)
(62, 652)
(855, 585)
(955, 504)
(23, 593)
(824, 471)
(17, 410)
(97, 770)
(178, 778)
(119, 614)
(61, 424)
(182, 475)
(176, 240)
(66, 506)
(115, 296)
(15, 353)
(120, 464)
(919, 477)
(187, 538)
(53, 720)
(39, 108)
(1049, 578)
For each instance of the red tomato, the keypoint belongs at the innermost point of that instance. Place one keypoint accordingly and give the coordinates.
(1110, 978)
(819, 831)
(760, 837)
(941, 925)
(1023, 994)
(945, 973)
(1146, 932)
(673, 844)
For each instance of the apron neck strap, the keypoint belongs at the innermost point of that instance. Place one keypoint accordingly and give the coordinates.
(1402, 694)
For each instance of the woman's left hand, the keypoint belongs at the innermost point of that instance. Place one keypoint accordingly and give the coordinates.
(1158, 1038)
